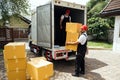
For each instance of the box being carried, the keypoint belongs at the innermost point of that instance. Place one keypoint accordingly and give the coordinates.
(71, 37)
(73, 27)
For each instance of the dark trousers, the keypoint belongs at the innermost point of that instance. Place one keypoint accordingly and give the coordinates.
(80, 63)
(63, 37)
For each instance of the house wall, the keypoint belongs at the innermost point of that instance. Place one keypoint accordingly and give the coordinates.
(16, 22)
(20, 33)
(116, 40)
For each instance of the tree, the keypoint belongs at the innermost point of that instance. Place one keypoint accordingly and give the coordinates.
(98, 26)
(13, 7)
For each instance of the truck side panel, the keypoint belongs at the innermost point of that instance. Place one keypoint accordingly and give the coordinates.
(44, 30)
(34, 28)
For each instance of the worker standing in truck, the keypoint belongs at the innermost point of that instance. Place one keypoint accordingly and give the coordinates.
(81, 51)
(64, 18)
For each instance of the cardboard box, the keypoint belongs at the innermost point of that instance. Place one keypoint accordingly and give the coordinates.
(16, 75)
(71, 47)
(39, 70)
(15, 64)
(15, 46)
(47, 79)
(37, 58)
(71, 37)
(14, 50)
(73, 27)
(14, 54)
(43, 79)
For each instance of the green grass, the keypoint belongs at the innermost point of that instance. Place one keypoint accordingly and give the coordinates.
(1, 50)
(99, 44)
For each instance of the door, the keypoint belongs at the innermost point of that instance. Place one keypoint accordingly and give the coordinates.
(44, 28)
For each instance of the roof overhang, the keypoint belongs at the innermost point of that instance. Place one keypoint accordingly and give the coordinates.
(111, 9)
(115, 12)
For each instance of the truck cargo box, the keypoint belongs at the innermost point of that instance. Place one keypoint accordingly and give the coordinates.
(45, 31)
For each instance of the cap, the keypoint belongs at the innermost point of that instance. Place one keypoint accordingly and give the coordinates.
(68, 11)
(84, 27)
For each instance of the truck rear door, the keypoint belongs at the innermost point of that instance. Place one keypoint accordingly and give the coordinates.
(44, 29)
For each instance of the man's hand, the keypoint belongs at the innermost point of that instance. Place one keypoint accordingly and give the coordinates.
(72, 43)
(60, 27)
(67, 43)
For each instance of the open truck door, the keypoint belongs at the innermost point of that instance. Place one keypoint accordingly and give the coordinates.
(43, 19)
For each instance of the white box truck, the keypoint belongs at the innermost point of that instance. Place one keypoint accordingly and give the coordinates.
(45, 28)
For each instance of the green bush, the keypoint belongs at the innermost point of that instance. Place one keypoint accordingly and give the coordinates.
(98, 27)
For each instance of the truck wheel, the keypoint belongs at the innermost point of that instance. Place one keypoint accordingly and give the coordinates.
(43, 53)
(48, 56)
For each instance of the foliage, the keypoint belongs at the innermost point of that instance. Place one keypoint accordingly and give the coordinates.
(100, 44)
(1, 50)
(98, 26)
(10, 7)
(96, 9)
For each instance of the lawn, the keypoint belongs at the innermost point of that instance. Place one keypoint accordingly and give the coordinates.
(99, 44)
(1, 50)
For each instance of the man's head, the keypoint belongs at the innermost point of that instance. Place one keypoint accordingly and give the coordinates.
(67, 12)
(84, 28)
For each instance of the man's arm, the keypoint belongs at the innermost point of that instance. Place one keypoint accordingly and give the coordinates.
(61, 23)
(69, 18)
(61, 20)
(73, 43)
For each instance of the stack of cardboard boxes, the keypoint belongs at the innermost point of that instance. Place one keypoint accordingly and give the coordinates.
(73, 32)
(15, 61)
(17, 67)
(39, 69)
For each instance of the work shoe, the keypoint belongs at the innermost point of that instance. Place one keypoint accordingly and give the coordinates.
(74, 74)
(82, 72)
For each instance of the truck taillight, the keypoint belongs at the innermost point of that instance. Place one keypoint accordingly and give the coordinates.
(59, 54)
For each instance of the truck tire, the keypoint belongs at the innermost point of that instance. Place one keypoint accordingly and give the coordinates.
(43, 53)
(47, 55)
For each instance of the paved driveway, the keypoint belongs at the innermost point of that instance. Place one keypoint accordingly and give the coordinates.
(100, 65)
